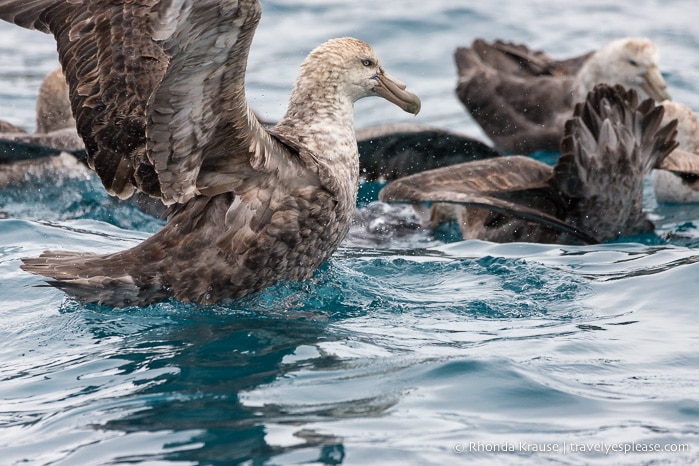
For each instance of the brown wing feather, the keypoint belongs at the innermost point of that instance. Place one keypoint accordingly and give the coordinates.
(513, 58)
(478, 184)
(483, 177)
(612, 142)
(521, 60)
(157, 89)
(516, 210)
(27, 13)
(202, 94)
(111, 72)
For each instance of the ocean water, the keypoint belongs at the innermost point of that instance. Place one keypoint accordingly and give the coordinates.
(412, 350)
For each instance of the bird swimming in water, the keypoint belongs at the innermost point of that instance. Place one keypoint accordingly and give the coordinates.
(158, 94)
(522, 97)
(594, 193)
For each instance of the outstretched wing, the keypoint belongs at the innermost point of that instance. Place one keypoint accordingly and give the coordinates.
(611, 143)
(489, 176)
(153, 84)
(500, 185)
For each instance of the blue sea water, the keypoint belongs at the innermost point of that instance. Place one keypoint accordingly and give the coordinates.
(419, 350)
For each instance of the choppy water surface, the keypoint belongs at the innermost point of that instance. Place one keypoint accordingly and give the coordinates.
(416, 351)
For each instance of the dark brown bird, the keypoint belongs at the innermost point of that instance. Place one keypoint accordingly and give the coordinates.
(522, 97)
(391, 151)
(158, 94)
(594, 193)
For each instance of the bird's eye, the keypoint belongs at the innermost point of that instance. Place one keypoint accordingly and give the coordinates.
(367, 62)
(633, 62)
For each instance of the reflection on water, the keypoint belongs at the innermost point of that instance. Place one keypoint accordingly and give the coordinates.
(163, 370)
(402, 352)
(214, 362)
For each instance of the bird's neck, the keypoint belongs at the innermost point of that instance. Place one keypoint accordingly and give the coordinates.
(323, 121)
(320, 104)
(320, 121)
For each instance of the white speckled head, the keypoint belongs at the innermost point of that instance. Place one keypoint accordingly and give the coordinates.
(355, 69)
(631, 62)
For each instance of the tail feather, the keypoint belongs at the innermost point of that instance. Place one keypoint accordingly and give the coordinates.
(92, 278)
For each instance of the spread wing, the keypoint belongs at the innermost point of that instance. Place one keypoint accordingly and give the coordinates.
(499, 184)
(611, 142)
(489, 176)
(157, 89)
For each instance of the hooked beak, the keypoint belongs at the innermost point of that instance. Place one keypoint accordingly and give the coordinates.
(394, 91)
(654, 85)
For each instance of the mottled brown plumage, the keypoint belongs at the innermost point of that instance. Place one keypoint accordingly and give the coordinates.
(522, 98)
(157, 90)
(594, 192)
